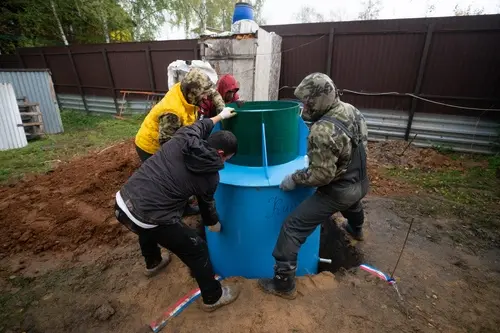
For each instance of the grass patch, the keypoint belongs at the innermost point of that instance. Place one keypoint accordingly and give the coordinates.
(470, 194)
(82, 133)
(474, 186)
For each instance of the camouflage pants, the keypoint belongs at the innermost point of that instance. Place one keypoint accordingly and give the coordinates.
(311, 213)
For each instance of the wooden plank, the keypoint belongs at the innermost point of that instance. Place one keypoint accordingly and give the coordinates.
(32, 124)
(29, 104)
(37, 113)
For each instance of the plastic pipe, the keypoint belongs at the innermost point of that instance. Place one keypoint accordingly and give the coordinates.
(326, 261)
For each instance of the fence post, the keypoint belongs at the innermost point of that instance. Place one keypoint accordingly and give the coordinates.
(195, 52)
(420, 77)
(149, 62)
(110, 77)
(329, 58)
(46, 65)
(78, 81)
(20, 59)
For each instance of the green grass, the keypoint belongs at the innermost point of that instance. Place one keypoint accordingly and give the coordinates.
(471, 193)
(82, 133)
(477, 186)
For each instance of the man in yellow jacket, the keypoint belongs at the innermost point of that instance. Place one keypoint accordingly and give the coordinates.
(178, 108)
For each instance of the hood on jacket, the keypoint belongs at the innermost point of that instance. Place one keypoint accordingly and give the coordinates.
(319, 94)
(195, 85)
(199, 157)
(227, 83)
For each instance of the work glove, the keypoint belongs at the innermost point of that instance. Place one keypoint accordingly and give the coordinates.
(227, 113)
(240, 103)
(215, 228)
(287, 184)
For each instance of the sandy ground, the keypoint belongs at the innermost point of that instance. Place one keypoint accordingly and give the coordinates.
(65, 261)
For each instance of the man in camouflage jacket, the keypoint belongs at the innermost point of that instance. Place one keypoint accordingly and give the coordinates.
(337, 148)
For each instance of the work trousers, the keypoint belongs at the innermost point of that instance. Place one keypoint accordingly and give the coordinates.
(182, 241)
(311, 213)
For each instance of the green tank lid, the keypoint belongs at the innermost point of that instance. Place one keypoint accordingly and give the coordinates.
(281, 125)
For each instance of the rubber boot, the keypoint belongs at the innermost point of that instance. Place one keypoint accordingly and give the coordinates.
(230, 293)
(282, 285)
(357, 233)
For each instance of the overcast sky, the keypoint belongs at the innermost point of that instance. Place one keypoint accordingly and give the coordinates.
(283, 11)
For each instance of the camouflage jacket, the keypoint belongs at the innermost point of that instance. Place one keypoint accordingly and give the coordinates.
(329, 148)
(194, 86)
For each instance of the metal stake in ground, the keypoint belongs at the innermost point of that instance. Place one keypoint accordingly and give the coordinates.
(402, 249)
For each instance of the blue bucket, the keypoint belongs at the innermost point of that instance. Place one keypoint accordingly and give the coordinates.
(242, 11)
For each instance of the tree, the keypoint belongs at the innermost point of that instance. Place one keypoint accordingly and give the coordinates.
(458, 11)
(197, 15)
(308, 14)
(371, 10)
(25, 23)
(430, 7)
(147, 15)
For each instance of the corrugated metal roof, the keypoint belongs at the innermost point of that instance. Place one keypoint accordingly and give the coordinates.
(37, 87)
(12, 135)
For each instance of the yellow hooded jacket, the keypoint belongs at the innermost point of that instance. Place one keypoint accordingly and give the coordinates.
(173, 102)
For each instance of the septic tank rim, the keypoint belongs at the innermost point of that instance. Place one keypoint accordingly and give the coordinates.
(287, 106)
(245, 176)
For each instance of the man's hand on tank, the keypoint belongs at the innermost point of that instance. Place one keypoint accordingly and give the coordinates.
(215, 228)
(227, 113)
(287, 184)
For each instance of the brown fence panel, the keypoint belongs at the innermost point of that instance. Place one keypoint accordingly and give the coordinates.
(129, 70)
(453, 60)
(9, 61)
(92, 72)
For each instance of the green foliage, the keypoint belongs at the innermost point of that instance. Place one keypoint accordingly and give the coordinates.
(82, 134)
(148, 16)
(26, 23)
(196, 15)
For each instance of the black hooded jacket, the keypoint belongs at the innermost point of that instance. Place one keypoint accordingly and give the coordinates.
(186, 165)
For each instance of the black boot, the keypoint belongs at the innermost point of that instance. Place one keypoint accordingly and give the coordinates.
(282, 285)
(356, 233)
(191, 209)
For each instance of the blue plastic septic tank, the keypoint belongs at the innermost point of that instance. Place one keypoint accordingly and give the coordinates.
(242, 11)
(252, 209)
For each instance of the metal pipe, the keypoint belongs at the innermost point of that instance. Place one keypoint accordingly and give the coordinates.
(326, 261)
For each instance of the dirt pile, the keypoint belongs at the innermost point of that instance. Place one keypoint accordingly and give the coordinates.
(398, 154)
(73, 204)
(387, 155)
(69, 206)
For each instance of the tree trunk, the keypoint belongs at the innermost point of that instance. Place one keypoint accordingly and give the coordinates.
(59, 25)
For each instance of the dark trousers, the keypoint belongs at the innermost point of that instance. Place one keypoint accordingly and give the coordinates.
(142, 154)
(182, 241)
(312, 212)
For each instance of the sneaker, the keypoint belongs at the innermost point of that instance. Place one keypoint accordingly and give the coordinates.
(229, 294)
(161, 265)
(357, 235)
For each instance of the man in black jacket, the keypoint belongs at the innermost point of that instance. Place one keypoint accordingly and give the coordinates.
(152, 201)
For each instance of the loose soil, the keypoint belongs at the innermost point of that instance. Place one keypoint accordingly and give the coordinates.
(64, 257)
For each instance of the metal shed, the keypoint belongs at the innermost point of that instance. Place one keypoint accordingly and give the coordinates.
(37, 86)
(12, 135)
